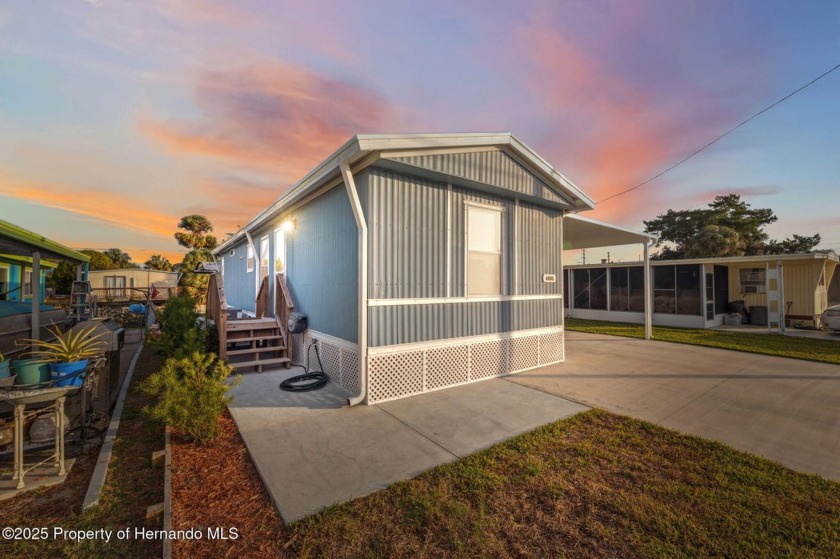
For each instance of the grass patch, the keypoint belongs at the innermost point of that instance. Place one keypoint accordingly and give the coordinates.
(824, 351)
(131, 486)
(595, 485)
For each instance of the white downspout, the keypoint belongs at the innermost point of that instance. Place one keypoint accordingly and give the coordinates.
(257, 267)
(353, 195)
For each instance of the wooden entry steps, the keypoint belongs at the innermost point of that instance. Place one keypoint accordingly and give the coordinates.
(264, 341)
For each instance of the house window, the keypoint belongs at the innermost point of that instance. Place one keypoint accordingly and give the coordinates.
(590, 287)
(115, 286)
(752, 280)
(484, 251)
(264, 256)
(250, 258)
(27, 283)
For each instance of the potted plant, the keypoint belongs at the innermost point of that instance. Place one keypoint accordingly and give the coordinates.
(69, 353)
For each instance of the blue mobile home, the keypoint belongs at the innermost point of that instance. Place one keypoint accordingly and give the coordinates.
(456, 241)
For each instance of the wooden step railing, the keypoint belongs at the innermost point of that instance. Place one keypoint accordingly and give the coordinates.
(283, 307)
(261, 305)
(217, 310)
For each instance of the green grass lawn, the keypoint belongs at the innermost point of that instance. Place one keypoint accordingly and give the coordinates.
(595, 485)
(826, 351)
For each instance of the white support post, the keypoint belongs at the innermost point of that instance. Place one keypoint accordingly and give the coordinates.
(780, 285)
(648, 301)
(35, 286)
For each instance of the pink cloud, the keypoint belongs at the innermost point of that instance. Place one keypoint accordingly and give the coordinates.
(272, 117)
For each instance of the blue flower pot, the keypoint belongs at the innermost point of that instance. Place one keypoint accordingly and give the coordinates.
(30, 371)
(60, 370)
(5, 370)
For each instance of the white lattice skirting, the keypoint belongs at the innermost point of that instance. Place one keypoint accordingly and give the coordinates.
(339, 357)
(408, 369)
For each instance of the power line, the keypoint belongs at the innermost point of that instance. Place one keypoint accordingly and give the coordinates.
(722, 136)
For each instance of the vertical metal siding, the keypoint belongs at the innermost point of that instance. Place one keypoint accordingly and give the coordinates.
(407, 236)
(322, 254)
(540, 249)
(420, 323)
(239, 283)
(490, 167)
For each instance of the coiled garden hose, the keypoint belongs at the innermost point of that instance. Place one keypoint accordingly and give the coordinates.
(307, 381)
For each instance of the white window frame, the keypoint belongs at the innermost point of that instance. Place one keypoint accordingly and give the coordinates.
(502, 242)
(280, 246)
(249, 258)
(265, 260)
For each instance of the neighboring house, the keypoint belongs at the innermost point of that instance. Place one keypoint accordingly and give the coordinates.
(16, 277)
(834, 290)
(456, 241)
(695, 293)
(132, 283)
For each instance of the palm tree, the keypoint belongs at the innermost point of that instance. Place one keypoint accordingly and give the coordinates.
(158, 262)
(120, 259)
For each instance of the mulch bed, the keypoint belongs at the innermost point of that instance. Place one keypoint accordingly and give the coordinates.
(215, 485)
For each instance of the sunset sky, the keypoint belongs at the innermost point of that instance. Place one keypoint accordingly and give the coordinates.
(119, 117)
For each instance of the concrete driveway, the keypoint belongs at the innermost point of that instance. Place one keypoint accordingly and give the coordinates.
(784, 409)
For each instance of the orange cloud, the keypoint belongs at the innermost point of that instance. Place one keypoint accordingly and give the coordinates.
(272, 117)
(101, 205)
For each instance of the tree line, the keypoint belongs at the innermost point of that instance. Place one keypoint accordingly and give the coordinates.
(195, 236)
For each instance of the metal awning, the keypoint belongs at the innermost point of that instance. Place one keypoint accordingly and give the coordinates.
(22, 242)
(582, 232)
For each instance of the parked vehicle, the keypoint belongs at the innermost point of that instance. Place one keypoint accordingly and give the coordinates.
(831, 318)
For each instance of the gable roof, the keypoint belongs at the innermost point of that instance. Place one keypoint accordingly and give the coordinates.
(364, 149)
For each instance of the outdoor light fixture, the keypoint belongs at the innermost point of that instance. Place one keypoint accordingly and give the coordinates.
(288, 225)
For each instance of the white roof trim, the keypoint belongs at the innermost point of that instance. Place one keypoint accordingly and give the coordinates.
(806, 256)
(362, 145)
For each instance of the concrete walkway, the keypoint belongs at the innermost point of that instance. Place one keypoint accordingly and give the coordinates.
(784, 409)
(312, 451)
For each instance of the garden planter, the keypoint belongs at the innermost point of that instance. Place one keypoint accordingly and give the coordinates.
(5, 370)
(60, 370)
(31, 371)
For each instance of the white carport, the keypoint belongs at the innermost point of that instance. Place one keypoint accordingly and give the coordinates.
(582, 232)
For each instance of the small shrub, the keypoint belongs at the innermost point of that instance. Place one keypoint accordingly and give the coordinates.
(177, 318)
(192, 393)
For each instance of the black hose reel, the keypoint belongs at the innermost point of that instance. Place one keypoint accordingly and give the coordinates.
(315, 380)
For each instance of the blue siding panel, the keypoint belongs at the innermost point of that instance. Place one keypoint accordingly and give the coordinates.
(239, 283)
(322, 254)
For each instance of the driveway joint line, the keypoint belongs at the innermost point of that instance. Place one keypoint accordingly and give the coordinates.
(573, 400)
(733, 375)
(434, 442)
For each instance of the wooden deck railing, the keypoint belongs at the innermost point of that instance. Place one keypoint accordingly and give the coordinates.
(116, 294)
(217, 310)
(262, 298)
(283, 307)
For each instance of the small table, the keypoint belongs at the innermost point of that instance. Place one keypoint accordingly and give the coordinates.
(19, 397)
